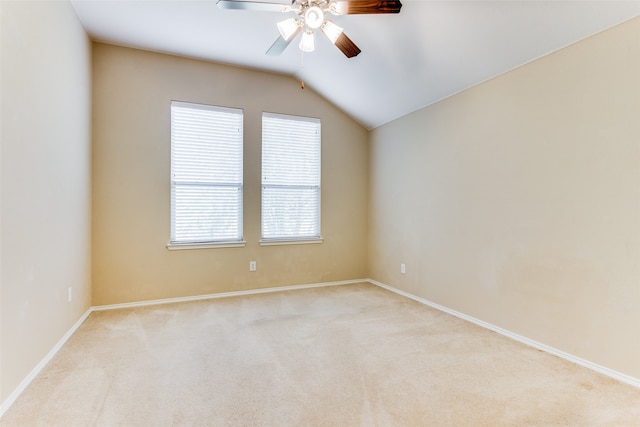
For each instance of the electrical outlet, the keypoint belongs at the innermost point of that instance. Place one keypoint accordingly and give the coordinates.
(252, 266)
(403, 269)
(69, 294)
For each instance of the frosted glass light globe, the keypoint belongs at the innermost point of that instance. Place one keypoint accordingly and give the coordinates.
(314, 17)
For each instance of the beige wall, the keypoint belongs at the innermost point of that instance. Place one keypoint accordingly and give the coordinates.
(518, 201)
(45, 181)
(131, 188)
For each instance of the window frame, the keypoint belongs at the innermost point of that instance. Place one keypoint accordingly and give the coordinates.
(206, 243)
(292, 240)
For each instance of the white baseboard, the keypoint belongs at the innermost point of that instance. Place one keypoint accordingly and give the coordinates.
(25, 382)
(543, 347)
(585, 363)
(225, 295)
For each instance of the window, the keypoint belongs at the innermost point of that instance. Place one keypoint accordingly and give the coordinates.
(290, 178)
(206, 174)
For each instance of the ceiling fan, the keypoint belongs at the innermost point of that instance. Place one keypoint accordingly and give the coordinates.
(311, 16)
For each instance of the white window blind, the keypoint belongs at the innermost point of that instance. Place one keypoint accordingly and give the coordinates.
(290, 177)
(206, 173)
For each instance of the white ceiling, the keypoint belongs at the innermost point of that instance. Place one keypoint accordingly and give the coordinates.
(427, 52)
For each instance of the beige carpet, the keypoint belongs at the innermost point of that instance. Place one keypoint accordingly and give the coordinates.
(353, 355)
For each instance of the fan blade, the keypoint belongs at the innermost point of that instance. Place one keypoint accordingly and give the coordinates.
(255, 5)
(347, 46)
(354, 7)
(279, 45)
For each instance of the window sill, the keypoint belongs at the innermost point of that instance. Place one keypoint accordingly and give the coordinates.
(207, 245)
(277, 242)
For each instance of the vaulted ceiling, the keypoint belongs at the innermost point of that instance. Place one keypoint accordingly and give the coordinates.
(427, 52)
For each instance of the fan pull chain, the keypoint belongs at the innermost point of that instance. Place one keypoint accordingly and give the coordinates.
(301, 68)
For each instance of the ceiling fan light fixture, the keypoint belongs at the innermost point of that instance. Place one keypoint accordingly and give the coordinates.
(307, 42)
(289, 28)
(331, 30)
(313, 17)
